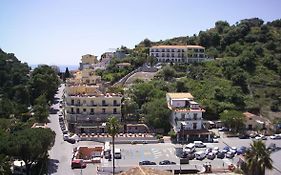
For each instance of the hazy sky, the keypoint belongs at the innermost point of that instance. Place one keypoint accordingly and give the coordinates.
(61, 31)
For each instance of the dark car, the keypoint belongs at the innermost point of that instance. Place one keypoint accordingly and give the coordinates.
(71, 140)
(147, 162)
(107, 155)
(190, 156)
(166, 162)
(245, 136)
(220, 155)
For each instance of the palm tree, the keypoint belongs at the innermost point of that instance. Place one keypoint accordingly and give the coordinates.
(113, 129)
(258, 159)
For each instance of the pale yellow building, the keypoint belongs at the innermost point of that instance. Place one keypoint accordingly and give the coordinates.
(88, 60)
(86, 108)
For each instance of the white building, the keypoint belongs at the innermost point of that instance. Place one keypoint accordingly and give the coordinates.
(186, 117)
(178, 54)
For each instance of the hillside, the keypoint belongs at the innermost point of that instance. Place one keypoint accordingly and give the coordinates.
(246, 73)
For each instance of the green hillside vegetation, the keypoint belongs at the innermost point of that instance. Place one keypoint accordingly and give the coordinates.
(245, 75)
(23, 93)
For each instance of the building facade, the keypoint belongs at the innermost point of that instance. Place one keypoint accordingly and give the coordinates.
(88, 60)
(255, 122)
(178, 54)
(87, 109)
(186, 118)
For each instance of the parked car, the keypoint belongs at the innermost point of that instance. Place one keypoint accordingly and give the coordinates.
(211, 156)
(229, 155)
(200, 155)
(189, 156)
(147, 162)
(272, 147)
(78, 163)
(71, 140)
(275, 137)
(215, 150)
(226, 149)
(167, 162)
(189, 148)
(65, 131)
(233, 150)
(107, 155)
(65, 137)
(223, 129)
(260, 137)
(220, 155)
(208, 150)
(241, 150)
(215, 140)
(244, 136)
(199, 144)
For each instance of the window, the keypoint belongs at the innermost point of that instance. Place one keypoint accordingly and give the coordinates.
(152, 50)
(84, 101)
(84, 109)
(167, 50)
(92, 111)
(179, 50)
(172, 55)
(182, 116)
(195, 116)
(157, 54)
(152, 54)
(72, 111)
(114, 103)
(194, 126)
(72, 102)
(163, 55)
(103, 110)
(103, 103)
(163, 50)
(157, 50)
(78, 102)
(168, 55)
(78, 111)
(114, 111)
(172, 50)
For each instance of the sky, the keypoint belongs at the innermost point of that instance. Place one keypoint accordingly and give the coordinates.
(61, 31)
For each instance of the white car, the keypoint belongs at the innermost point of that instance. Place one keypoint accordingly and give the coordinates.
(275, 136)
(215, 140)
(215, 150)
(260, 137)
(189, 148)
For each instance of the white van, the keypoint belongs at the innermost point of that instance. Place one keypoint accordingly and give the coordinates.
(200, 155)
(199, 144)
(189, 148)
(117, 153)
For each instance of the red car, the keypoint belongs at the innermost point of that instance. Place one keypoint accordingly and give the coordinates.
(78, 163)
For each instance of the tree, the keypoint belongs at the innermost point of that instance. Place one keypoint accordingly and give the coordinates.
(129, 109)
(31, 145)
(233, 119)
(4, 165)
(113, 129)
(258, 159)
(43, 80)
(40, 109)
(157, 114)
(66, 73)
(168, 73)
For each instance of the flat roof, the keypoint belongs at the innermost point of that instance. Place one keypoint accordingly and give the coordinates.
(180, 95)
(178, 46)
